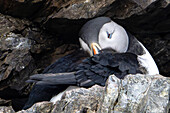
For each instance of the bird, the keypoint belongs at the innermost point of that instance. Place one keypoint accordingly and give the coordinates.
(112, 50)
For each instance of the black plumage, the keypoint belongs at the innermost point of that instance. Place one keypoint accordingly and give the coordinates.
(67, 63)
(93, 70)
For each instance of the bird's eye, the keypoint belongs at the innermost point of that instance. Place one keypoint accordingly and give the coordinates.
(109, 35)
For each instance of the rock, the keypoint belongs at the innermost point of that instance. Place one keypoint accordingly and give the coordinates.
(24, 50)
(140, 92)
(15, 59)
(4, 109)
(69, 16)
(78, 9)
(9, 24)
(5, 102)
(20, 46)
(134, 94)
(158, 95)
(42, 107)
(150, 20)
(12, 41)
(21, 8)
(80, 100)
(73, 101)
(16, 62)
(135, 8)
(110, 95)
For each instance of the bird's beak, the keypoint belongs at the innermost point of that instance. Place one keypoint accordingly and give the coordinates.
(95, 48)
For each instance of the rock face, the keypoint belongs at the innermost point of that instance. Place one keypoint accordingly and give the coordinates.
(134, 94)
(77, 9)
(21, 8)
(6, 110)
(16, 62)
(21, 44)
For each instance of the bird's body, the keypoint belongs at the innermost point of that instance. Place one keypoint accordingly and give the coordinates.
(113, 51)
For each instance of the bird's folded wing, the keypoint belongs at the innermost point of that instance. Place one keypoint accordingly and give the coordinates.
(54, 79)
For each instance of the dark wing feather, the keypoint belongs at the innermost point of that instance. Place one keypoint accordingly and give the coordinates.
(54, 79)
(94, 70)
(67, 63)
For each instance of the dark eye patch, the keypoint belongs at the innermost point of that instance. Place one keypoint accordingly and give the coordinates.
(109, 35)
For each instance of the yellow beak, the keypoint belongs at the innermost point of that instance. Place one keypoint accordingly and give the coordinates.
(95, 48)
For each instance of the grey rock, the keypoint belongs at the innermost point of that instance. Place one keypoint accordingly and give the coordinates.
(110, 95)
(23, 49)
(159, 94)
(135, 8)
(134, 94)
(21, 8)
(43, 107)
(83, 9)
(3, 101)
(9, 24)
(142, 93)
(13, 41)
(42, 10)
(144, 3)
(79, 100)
(4, 109)
(16, 60)
(18, 42)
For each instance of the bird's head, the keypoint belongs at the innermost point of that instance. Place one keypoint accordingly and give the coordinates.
(102, 33)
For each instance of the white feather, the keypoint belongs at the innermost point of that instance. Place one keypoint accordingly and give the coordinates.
(59, 96)
(148, 62)
(85, 47)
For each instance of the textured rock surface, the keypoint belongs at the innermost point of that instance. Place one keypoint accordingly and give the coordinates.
(110, 95)
(6, 110)
(15, 59)
(21, 8)
(78, 9)
(5, 102)
(21, 45)
(139, 94)
(134, 94)
(42, 107)
(80, 100)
